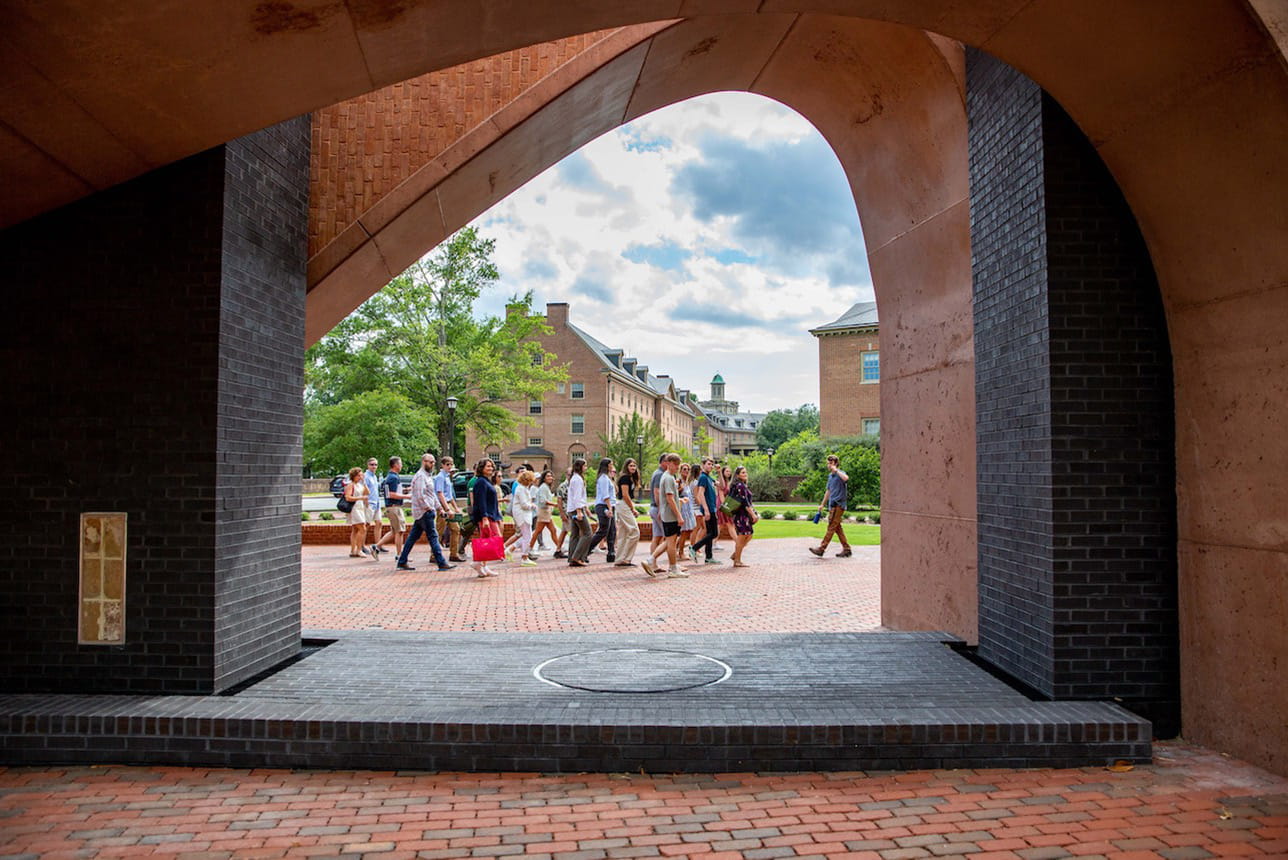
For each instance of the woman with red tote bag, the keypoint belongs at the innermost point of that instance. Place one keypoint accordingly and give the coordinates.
(486, 514)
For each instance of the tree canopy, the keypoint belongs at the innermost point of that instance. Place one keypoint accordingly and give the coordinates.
(378, 424)
(418, 337)
(622, 443)
(782, 424)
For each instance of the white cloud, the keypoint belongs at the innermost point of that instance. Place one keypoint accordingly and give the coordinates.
(705, 237)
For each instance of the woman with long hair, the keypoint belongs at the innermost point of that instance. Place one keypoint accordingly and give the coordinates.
(485, 512)
(578, 516)
(356, 493)
(744, 519)
(525, 507)
(605, 493)
(722, 491)
(688, 520)
(628, 530)
(546, 501)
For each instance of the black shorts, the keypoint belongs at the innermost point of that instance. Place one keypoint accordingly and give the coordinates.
(670, 529)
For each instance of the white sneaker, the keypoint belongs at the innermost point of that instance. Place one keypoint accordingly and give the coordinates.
(528, 562)
(676, 573)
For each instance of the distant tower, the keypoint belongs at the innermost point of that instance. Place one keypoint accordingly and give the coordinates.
(717, 388)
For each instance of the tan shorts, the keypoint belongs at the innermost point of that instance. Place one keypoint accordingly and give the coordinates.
(396, 524)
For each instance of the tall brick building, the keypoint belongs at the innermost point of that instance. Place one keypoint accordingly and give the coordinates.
(604, 385)
(849, 373)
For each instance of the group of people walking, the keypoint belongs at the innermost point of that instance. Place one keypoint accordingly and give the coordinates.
(690, 505)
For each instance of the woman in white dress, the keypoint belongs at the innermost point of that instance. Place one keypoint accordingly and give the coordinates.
(357, 493)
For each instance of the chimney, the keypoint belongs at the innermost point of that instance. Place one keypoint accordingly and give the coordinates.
(513, 309)
(557, 314)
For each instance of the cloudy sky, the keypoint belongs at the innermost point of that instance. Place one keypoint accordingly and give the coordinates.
(706, 237)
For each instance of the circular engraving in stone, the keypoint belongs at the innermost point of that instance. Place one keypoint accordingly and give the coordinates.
(632, 670)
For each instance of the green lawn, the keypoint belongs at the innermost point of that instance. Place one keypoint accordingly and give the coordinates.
(858, 534)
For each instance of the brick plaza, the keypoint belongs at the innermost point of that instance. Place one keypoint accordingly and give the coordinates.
(786, 590)
(1189, 804)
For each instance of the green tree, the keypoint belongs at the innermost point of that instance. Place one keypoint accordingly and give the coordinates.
(798, 454)
(762, 481)
(418, 336)
(782, 424)
(622, 443)
(380, 424)
(860, 459)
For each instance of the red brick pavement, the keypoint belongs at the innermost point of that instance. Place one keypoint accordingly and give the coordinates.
(1180, 809)
(785, 590)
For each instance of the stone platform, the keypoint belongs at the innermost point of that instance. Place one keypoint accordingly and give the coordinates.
(592, 702)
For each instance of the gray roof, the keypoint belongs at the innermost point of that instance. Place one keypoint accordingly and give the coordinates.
(531, 451)
(655, 384)
(861, 315)
(750, 420)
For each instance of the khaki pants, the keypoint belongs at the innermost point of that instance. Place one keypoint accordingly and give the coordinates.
(628, 531)
(834, 526)
(450, 534)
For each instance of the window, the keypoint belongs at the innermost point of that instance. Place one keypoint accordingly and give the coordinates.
(559, 388)
(872, 426)
(537, 359)
(534, 441)
(578, 425)
(534, 407)
(578, 391)
(871, 367)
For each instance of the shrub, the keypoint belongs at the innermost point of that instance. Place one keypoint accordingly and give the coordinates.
(304, 516)
(875, 516)
(790, 515)
(326, 516)
(768, 514)
(861, 460)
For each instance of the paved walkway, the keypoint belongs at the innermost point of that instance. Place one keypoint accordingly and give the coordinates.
(786, 590)
(1191, 804)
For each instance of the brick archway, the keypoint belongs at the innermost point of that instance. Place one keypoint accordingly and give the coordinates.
(1188, 108)
(898, 125)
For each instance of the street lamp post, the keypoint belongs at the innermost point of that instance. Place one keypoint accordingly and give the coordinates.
(770, 452)
(451, 427)
(639, 443)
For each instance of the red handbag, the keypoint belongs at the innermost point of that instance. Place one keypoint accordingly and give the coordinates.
(489, 546)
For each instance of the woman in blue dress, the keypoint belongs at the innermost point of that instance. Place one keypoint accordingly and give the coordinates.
(688, 520)
(744, 519)
(485, 512)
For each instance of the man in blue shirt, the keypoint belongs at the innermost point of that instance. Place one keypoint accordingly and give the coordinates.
(704, 503)
(834, 501)
(372, 479)
(394, 499)
(448, 526)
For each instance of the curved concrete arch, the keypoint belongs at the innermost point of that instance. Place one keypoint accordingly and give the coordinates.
(1186, 103)
(888, 99)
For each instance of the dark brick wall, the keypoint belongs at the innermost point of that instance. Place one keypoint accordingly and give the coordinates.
(140, 334)
(1076, 490)
(1113, 442)
(1012, 383)
(261, 380)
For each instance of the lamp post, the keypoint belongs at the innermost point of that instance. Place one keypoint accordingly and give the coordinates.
(639, 443)
(451, 427)
(770, 452)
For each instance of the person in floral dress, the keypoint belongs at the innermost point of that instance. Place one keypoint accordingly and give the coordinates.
(744, 519)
